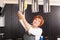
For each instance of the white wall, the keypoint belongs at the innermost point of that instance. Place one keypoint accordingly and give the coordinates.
(2, 3)
(58, 38)
(2, 21)
(52, 2)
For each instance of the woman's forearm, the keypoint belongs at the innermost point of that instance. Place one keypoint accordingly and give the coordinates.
(27, 25)
(22, 24)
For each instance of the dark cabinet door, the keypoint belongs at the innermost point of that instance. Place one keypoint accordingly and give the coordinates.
(8, 26)
(13, 28)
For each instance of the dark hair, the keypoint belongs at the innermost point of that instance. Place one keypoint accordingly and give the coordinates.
(40, 17)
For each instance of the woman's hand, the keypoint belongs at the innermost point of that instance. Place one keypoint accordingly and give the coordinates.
(20, 15)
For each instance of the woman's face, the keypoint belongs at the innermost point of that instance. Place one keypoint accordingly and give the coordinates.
(36, 22)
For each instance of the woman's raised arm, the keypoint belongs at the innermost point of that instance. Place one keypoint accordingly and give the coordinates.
(21, 17)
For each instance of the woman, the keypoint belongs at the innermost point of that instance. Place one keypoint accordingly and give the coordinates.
(33, 29)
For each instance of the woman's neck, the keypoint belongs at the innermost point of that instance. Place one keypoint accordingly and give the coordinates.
(34, 26)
